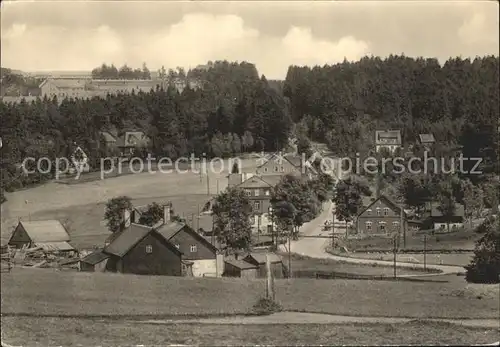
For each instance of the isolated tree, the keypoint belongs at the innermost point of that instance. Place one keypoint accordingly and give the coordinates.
(232, 212)
(304, 147)
(114, 212)
(297, 191)
(348, 199)
(447, 206)
(152, 215)
(284, 217)
(485, 266)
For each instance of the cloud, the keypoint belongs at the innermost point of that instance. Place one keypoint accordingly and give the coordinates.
(195, 39)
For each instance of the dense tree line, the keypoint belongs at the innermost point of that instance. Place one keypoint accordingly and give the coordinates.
(236, 111)
(111, 72)
(342, 105)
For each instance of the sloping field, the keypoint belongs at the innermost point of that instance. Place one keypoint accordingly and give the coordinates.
(56, 293)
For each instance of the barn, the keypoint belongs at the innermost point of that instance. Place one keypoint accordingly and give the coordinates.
(49, 235)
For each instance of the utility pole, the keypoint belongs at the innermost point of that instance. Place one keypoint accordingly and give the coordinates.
(290, 255)
(208, 184)
(425, 252)
(403, 226)
(217, 186)
(198, 219)
(333, 228)
(395, 254)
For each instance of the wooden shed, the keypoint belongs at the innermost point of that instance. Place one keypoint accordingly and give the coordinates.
(240, 268)
(259, 259)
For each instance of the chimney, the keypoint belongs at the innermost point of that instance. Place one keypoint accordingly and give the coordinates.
(166, 214)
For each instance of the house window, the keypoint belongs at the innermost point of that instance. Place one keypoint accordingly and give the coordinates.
(276, 168)
(378, 211)
(149, 249)
(386, 211)
(381, 226)
(267, 192)
(256, 192)
(368, 226)
(257, 205)
(395, 224)
(265, 169)
(282, 169)
(193, 248)
(248, 192)
(369, 211)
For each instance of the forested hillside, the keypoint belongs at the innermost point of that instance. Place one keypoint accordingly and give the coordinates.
(235, 111)
(343, 104)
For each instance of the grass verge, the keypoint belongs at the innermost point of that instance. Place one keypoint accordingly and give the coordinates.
(82, 332)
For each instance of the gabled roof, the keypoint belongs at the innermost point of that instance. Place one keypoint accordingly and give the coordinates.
(108, 137)
(130, 237)
(272, 180)
(241, 264)
(426, 138)
(388, 202)
(132, 138)
(95, 257)
(388, 137)
(168, 231)
(259, 258)
(44, 231)
(254, 182)
(279, 158)
(66, 83)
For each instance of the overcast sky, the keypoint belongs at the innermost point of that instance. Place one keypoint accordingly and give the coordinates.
(59, 35)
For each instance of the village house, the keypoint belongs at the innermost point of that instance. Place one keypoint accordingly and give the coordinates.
(49, 235)
(389, 140)
(426, 140)
(235, 179)
(258, 189)
(64, 87)
(129, 141)
(195, 248)
(138, 250)
(382, 217)
(434, 219)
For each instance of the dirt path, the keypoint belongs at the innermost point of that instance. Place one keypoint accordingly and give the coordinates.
(319, 318)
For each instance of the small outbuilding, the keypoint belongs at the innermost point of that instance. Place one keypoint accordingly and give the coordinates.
(240, 268)
(48, 235)
(259, 259)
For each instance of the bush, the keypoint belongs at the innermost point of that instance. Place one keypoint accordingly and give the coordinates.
(266, 306)
(485, 266)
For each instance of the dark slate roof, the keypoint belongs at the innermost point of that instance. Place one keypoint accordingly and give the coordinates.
(260, 257)
(127, 239)
(169, 230)
(272, 180)
(426, 138)
(254, 182)
(95, 257)
(45, 231)
(241, 264)
(395, 207)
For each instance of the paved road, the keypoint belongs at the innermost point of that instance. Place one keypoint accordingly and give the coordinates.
(320, 318)
(315, 247)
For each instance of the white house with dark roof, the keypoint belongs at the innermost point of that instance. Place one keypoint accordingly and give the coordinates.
(427, 140)
(50, 235)
(388, 139)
